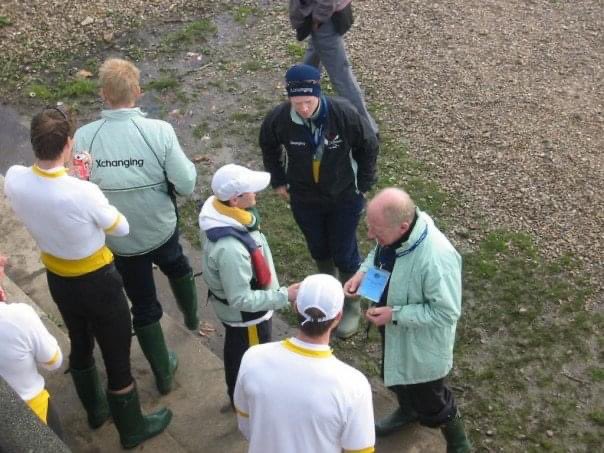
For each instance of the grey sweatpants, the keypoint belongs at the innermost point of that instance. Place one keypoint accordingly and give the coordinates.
(326, 46)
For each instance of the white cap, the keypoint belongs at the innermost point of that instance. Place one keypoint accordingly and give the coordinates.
(323, 292)
(232, 180)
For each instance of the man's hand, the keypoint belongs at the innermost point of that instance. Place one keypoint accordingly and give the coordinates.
(282, 192)
(379, 316)
(292, 292)
(351, 286)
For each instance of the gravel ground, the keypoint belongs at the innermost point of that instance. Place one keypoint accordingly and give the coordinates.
(502, 99)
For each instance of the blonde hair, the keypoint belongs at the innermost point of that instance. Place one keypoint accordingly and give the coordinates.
(120, 81)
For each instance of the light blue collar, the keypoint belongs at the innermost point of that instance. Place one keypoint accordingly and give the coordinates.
(122, 114)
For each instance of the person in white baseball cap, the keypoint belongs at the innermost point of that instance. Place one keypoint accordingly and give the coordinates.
(233, 180)
(237, 264)
(329, 400)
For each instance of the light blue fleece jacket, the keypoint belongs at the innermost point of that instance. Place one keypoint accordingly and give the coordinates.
(425, 296)
(133, 159)
(227, 271)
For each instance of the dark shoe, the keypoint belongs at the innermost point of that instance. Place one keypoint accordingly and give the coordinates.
(163, 362)
(91, 394)
(133, 426)
(185, 293)
(455, 435)
(395, 421)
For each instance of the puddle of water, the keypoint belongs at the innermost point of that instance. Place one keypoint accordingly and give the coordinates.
(15, 147)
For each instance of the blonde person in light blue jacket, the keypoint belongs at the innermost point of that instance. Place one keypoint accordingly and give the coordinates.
(139, 165)
(417, 313)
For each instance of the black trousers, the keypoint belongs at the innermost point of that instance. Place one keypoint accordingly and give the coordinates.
(237, 340)
(53, 420)
(93, 306)
(137, 272)
(433, 401)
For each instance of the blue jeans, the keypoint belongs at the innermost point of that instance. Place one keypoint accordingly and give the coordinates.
(137, 273)
(330, 230)
(326, 46)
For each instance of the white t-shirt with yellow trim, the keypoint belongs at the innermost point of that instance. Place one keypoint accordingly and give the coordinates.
(67, 217)
(296, 397)
(25, 343)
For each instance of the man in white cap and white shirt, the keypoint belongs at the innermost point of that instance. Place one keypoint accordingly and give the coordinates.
(238, 266)
(294, 396)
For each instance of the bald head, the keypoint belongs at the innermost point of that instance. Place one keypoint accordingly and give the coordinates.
(389, 215)
(395, 204)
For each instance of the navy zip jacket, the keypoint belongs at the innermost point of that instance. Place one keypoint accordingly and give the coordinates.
(348, 163)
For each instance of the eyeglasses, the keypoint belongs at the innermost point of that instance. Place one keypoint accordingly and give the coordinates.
(58, 108)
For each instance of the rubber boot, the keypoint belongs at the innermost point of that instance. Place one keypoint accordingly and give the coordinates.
(352, 312)
(455, 435)
(91, 394)
(133, 426)
(326, 267)
(163, 362)
(395, 421)
(185, 293)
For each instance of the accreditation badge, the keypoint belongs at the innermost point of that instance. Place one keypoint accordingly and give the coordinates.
(373, 284)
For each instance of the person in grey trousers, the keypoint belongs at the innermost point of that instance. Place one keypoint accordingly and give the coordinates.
(326, 21)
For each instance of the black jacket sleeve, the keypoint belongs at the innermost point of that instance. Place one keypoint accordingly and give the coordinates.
(272, 152)
(365, 149)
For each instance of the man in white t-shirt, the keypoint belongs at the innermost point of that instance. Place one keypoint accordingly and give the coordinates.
(294, 396)
(26, 343)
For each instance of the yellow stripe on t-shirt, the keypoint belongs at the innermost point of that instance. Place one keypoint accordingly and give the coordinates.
(75, 268)
(362, 450)
(114, 225)
(240, 412)
(252, 335)
(48, 174)
(54, 358)
(306, 352)
(39, 404)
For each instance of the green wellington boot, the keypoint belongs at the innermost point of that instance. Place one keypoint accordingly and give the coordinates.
(163, 362)
(91, 394)
(352, 312)
(455, 435)
(185, 293)
(395, 421)
(133, 426)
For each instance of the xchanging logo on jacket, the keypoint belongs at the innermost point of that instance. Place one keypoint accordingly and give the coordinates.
(126, 163)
